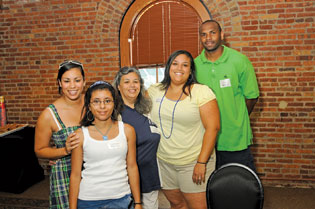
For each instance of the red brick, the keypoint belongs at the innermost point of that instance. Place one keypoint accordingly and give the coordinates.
(279, 40)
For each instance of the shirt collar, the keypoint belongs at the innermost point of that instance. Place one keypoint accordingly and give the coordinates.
(221, 59)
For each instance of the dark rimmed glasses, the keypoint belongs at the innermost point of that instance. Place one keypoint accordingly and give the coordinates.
(70, 61)
(98, 103)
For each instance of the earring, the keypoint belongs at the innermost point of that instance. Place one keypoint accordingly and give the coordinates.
(87, 116)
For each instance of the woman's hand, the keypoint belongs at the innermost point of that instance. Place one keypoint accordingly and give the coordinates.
(199, 173)
(72, 142)
(52, 162)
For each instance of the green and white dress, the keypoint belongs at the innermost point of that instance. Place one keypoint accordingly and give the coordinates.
(60, 172)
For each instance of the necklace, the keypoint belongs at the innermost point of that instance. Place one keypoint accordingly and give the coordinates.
(167, 137)
(104, 135)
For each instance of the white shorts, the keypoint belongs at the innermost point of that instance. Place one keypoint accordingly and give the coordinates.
(180, 176)
(150, 200)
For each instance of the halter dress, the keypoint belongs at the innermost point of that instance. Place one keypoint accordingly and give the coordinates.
(60, 172)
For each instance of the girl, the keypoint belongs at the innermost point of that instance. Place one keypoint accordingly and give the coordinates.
(108, 152)
(58, 123)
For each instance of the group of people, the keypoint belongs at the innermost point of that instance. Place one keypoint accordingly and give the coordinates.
(118, 145)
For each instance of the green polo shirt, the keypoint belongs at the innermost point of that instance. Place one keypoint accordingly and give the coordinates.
(232, 79)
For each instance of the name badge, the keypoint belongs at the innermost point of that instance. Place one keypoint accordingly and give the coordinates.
(153, 127)
(115, 145)
(154, 130)
(225, 83)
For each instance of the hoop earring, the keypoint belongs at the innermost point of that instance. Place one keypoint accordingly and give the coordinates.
(87, 116)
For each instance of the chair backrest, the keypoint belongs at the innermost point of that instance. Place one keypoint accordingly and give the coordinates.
(234, 186)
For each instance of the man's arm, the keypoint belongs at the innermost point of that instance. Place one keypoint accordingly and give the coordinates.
(250, 103)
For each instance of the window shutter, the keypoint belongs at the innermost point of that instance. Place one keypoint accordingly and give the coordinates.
(161, 28)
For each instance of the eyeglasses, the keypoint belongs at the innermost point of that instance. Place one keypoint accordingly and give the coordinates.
(99, 102)
(70, 62)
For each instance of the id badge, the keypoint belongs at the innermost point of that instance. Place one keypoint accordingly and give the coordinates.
(154, 130)
(153, 127)
(225, 83)
(114, 145)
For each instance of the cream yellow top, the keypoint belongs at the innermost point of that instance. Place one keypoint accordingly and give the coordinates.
(184, 144)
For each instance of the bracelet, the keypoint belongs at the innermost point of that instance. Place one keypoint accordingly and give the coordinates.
(68, 153)
(137, 203)
(202, 163)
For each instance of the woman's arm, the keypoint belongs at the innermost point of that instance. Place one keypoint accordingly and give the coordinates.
(210, 118)
(76, 166)
(132, 167)
(43, 132)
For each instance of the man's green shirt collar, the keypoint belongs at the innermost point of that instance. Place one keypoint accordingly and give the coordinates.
(221, 59)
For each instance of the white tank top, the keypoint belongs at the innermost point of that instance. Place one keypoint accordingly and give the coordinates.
(105, 169)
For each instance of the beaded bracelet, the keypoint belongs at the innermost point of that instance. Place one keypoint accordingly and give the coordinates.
(202, 162)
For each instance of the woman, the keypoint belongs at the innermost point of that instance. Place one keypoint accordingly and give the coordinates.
(107, 151)
(136, 107)
(57, 123)
(188, 118)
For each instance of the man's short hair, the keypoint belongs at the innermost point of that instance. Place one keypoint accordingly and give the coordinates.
(214, 21)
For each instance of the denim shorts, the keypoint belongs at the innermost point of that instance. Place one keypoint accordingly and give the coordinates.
(121, 203)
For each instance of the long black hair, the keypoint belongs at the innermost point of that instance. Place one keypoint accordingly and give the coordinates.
(88, 116)
(166, 82)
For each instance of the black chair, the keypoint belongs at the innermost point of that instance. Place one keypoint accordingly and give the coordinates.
(234, 186)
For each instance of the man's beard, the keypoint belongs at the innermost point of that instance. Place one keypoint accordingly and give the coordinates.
(214, 48)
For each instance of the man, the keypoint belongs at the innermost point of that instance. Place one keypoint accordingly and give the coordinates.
(231, 76)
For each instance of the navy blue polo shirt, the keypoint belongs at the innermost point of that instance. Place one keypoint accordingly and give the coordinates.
(147, 143)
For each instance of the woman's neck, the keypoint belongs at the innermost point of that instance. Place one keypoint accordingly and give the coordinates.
(70, 103)
(129, 103)
(176, 88)
(103, 123)
(174, 92)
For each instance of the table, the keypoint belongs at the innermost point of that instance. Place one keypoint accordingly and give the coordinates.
(19, 165)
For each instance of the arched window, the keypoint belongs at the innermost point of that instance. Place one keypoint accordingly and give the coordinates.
(152, 29)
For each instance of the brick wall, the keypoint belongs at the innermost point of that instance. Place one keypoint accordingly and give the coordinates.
(277, 35)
